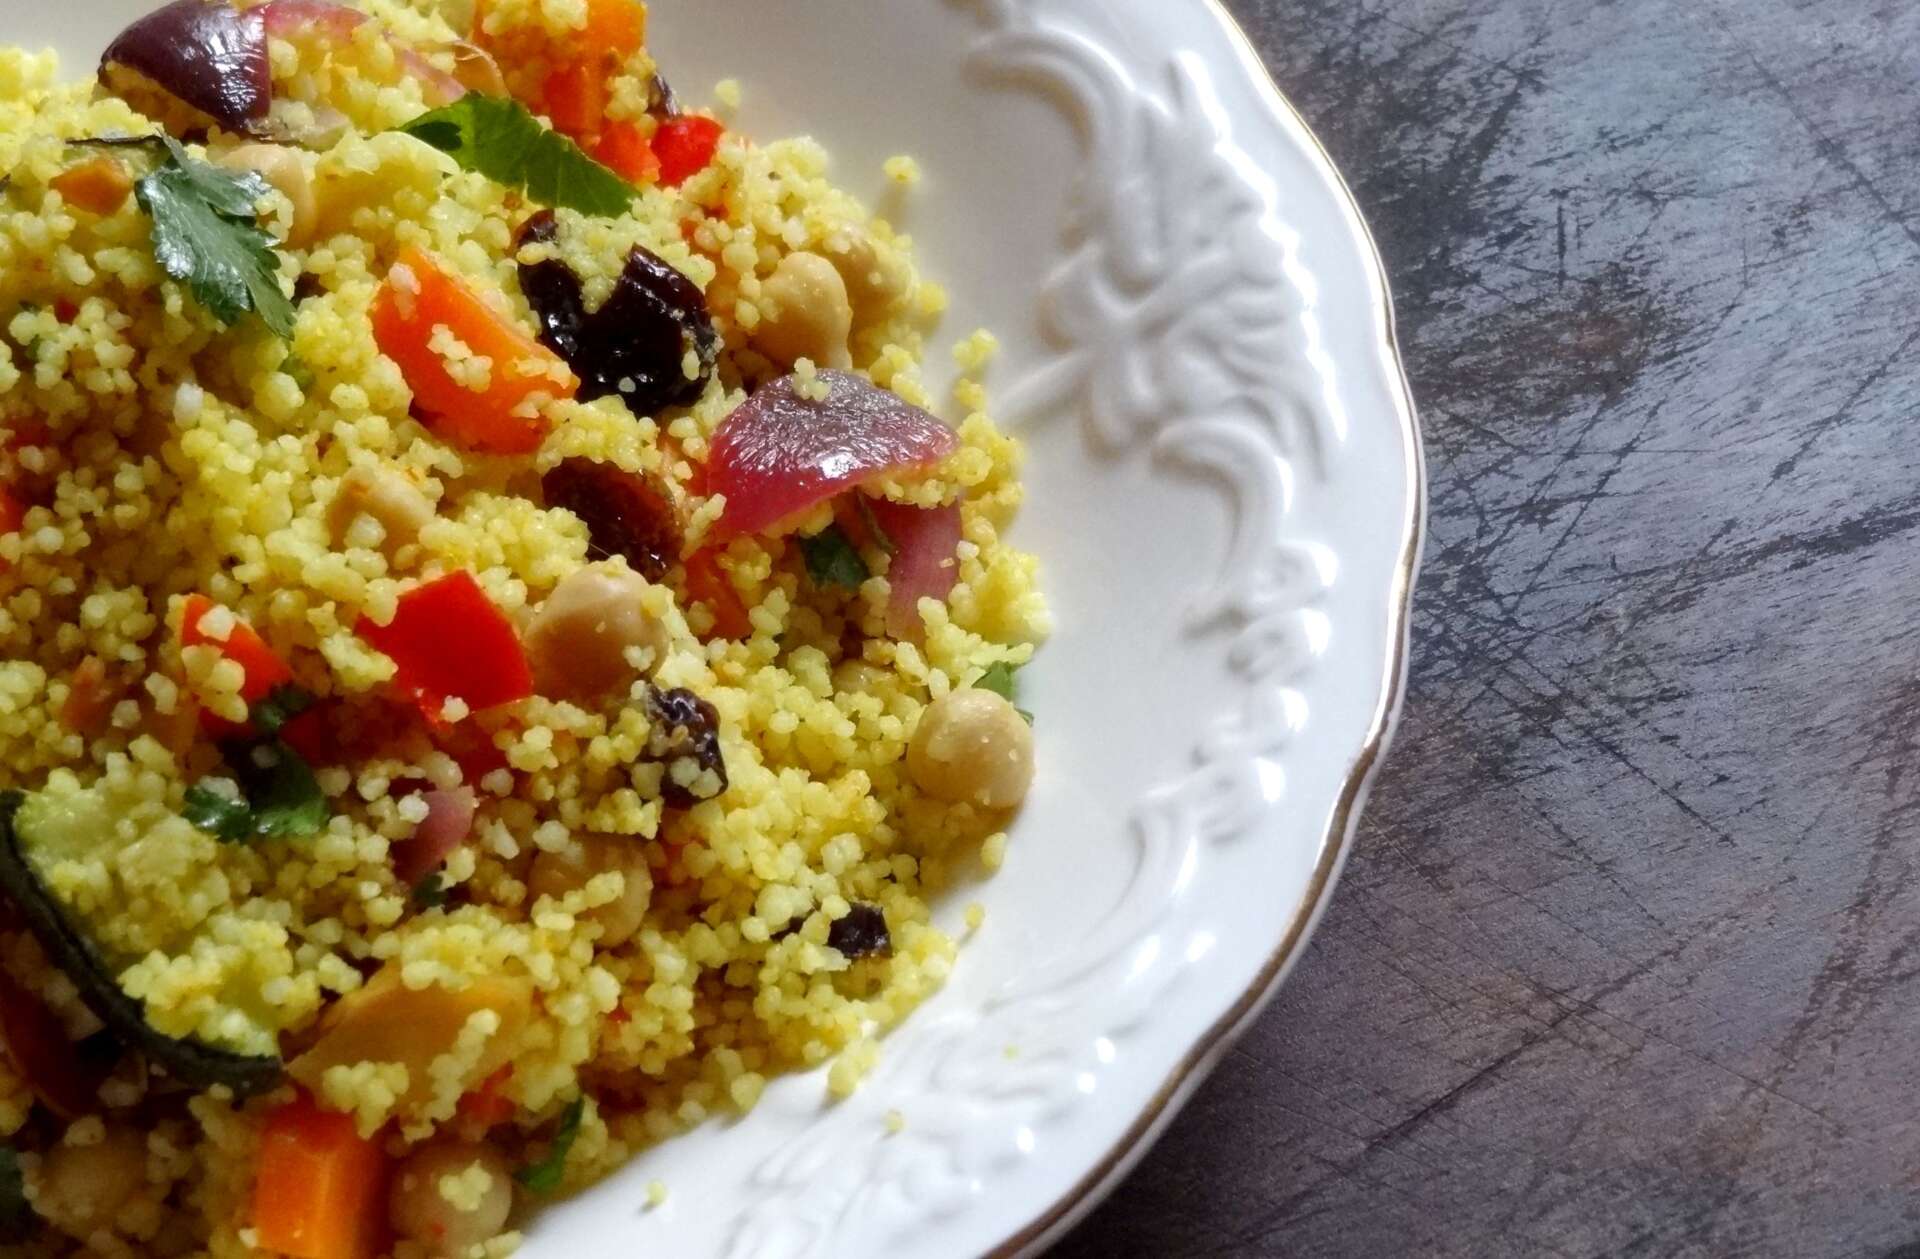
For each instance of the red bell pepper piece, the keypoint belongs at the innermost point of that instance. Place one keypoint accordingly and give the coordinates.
(685, 146)
(265, 670)
(707, 583)
(626, 152)
(45, 1061)
(447, 640)
(489, 1106)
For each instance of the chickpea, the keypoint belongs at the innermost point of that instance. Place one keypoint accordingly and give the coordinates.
(810, 316)
(557, 873)
(972, 746)
(281, 167)
(578, 640)
(83, 1188)
(384, 494)
(876, 276)
(436, 1199)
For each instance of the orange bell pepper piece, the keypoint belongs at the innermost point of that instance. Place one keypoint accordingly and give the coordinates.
(497, 411)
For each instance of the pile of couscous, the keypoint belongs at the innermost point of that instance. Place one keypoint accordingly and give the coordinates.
(496, 650)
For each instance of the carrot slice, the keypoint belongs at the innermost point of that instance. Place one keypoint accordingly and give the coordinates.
(99, 186)
(320, 1191)
(494, 407)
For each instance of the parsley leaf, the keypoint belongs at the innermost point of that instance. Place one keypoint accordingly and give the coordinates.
(431, 892)
(287, 800)
(282, 799)
(207, 235)
(999, 678)
(833, 561)
(229, 821)
(545, 1176)
(501, 139)
(282, 704)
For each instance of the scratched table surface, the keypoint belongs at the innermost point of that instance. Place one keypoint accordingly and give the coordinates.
(1627, 957)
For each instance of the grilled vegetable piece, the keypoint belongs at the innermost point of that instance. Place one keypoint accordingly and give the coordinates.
(189, 1061)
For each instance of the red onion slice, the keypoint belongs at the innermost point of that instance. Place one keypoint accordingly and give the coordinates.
(203, 53)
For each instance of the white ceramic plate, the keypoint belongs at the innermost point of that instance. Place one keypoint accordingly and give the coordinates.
(1226, 494)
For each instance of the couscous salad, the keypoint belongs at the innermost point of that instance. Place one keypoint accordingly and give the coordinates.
(498, 649)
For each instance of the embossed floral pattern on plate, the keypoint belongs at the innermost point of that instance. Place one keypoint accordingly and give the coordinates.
(1226, 491)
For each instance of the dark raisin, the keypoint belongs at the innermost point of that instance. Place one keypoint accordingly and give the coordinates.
(661, 102)
(637, 343)
(686, 730)
(862, 933)
(552, 289)
(626, 513)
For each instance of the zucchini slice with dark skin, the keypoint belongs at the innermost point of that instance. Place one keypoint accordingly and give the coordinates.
(190, 1062)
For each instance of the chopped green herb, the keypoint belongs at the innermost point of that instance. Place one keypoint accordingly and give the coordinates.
(999, 678)
(282, 704)
(229, 821)
(431, 892)
(17, 1221)
(207, 235)
(834, 561)
(872, 522)
(500, 139)
(288, 802)
(283, 800)
(546, 1175)
(295, 366)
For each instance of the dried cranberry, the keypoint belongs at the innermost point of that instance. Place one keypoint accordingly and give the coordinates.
(862, 933)
(686, 729)
(637, 343)
(625, 513)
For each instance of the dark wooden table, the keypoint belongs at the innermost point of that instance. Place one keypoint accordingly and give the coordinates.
(1627, 959)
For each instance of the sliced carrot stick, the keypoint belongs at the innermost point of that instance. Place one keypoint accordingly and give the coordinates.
(320, 1188)
(491, 406)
